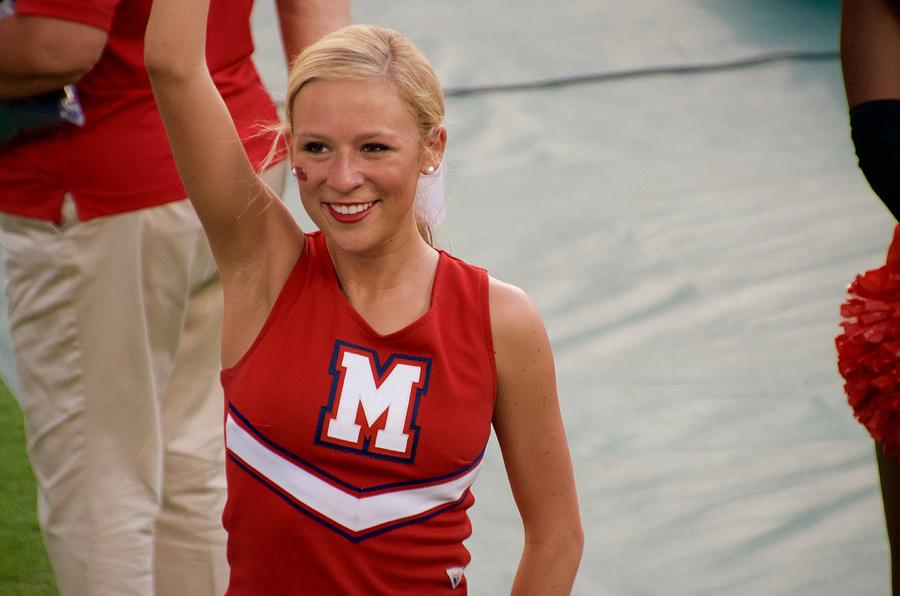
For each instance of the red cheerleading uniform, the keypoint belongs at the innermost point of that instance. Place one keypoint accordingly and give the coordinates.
(350, 453)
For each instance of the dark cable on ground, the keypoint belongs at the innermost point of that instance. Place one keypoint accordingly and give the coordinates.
(776, 56)
(646, 71)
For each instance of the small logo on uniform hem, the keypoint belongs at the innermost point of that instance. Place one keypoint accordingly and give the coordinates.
(456, 576)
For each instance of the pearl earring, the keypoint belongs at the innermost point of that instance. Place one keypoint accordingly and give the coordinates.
(429, 170)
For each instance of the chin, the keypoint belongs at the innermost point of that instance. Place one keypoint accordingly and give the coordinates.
(356, 242)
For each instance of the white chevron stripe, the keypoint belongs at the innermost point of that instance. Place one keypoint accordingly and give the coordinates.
(348, 510)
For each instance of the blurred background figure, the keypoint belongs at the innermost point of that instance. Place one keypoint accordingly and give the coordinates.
(114, 300)
(868, 354)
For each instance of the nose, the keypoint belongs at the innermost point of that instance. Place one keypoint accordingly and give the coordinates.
(344, 175)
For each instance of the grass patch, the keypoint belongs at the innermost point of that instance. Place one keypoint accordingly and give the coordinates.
(24, 568)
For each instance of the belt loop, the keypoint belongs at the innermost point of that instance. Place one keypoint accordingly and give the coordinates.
(69, 212)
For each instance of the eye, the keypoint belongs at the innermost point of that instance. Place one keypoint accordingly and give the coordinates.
(315, 147)
(374, 148)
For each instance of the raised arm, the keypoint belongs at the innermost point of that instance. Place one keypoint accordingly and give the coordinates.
(253, 236)
(245, 222)
(305, 21)
(41, 54)
(530, 432)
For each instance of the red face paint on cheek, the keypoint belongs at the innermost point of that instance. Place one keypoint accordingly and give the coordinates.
(299, 174)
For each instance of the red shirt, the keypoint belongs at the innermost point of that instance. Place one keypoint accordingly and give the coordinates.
(351, 453)
(120, 160)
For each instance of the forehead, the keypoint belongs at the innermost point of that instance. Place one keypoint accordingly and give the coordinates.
(348, 105)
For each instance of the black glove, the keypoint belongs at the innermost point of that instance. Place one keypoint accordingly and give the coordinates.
(875, 129)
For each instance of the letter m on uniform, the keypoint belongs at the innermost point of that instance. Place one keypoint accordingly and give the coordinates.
(372, 407)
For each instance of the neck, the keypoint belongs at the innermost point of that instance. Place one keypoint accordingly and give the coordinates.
(404, 263)
(392, 289)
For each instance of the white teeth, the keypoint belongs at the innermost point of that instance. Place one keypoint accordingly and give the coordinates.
(350, 209)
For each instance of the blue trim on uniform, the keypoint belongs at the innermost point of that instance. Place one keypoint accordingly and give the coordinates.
(357, 489)
(355, 538)
(413, 429)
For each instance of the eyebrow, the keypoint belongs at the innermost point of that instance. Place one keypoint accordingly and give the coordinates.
(366, 136)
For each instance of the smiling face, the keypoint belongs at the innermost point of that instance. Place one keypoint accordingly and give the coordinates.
(360, 153)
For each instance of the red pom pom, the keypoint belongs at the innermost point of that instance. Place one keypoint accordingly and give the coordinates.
(869, 350)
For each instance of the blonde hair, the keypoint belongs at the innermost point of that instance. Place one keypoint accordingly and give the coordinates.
(370, 52)
(360, 52)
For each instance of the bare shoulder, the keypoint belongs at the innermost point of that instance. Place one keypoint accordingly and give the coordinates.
(514, 316)
(522, 349)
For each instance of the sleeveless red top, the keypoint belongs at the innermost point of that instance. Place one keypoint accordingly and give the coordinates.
(351, 454)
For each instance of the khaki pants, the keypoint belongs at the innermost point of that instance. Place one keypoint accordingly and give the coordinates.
(115, 323)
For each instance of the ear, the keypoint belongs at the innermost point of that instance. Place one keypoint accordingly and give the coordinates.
(434, 146)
